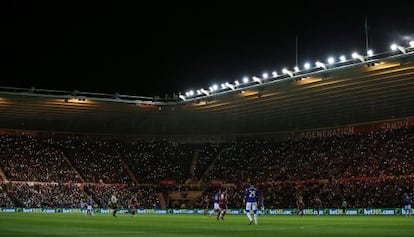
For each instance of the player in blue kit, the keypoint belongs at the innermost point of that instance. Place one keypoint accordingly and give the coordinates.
(251, 199)
(89, 205)
(407, 204)
(216, 205)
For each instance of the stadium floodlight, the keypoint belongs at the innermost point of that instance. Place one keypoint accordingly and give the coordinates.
(395, 47)
(320, 64)
(331, 60)
(358, 56)
(230, 86)
(205, 91)
(370, 53)
(285, 71)
(265, 75)
(199, 92)
(411, 43)
(223, 86)
(342, 58)
(274, 74)
(189, 93)
(214, 87)
(256, 79)
(307, 66)
(182, 97)
(296, 69)
(236, 83)
(245, 80)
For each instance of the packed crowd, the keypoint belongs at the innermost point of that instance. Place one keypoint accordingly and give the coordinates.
(369, 170)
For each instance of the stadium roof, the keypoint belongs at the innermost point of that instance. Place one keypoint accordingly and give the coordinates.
(376, 88)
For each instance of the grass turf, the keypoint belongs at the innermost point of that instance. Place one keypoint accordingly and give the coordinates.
(40, 224)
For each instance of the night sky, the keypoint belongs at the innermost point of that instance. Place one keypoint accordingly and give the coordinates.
(136, 49)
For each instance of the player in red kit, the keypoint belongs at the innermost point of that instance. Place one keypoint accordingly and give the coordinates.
(300, 205)
(133, 205)
(223, 205)
(205, 203)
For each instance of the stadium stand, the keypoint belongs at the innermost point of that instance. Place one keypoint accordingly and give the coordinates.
(369, 169)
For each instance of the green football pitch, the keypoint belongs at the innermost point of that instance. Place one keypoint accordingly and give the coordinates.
(41, 224)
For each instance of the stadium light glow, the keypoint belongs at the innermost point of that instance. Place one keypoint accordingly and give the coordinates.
(358, 56)
(256, 79)
(189, 93)
(230, 86)
(296, 68)
(394, 47)
(331, 60)
(320, 64)
(285, 71)
(205, 92)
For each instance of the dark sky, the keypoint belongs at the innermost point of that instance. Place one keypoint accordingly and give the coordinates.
(155, 50)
